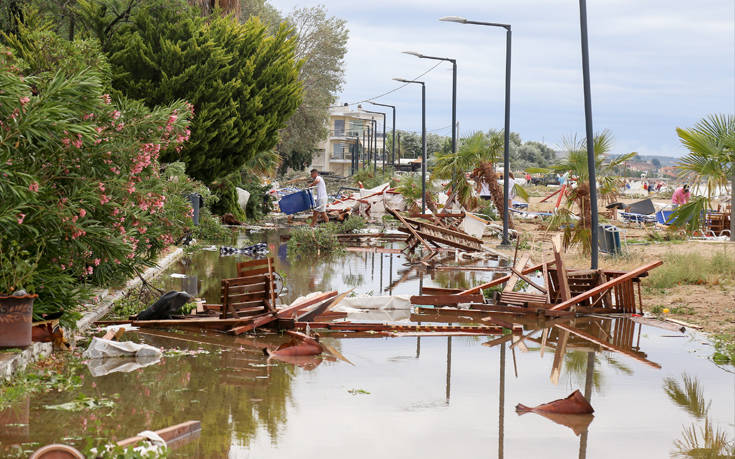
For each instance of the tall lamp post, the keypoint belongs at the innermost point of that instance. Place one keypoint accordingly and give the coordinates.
(590, 134)
(393, 140)
(376, 141)
(506, 153)
(454, 91)
(423, 139)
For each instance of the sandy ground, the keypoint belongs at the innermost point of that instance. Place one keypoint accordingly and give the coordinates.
(711, 306)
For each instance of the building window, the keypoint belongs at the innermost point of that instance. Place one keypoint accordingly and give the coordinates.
(339, 128)
(338, 150)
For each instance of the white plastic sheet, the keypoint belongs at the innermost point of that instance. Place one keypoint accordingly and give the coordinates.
(104, 348)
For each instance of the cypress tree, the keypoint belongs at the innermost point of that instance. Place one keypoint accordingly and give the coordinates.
(242, 81)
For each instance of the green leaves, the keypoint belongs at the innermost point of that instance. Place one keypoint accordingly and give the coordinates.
(242, 81)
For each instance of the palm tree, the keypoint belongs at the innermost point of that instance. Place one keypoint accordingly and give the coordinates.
(576, 165)
(711, 159)
(478, 153)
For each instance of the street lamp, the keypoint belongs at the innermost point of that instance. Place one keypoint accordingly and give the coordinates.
(393, 141)
(590, 134)
(454, 91)
(506, 153)
(375, 158)
(423, 139)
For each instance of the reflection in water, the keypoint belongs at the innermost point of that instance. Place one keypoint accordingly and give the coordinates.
(701, 440)
(247, 403)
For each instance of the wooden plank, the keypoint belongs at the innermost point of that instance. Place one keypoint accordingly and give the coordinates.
(290, 310)
(497, 321)
(257, 321)
(378, 327)
(501, 280)
(258, 295)
(409, 228)
(561, 349)
(249, 280)
(438, 300)
(561, 272)
(210, 322)
(440, 291)
(607, 285)
(246, 304)
(243, 265)
(520, 264)
(170, 434)
(606, 345)
(271, 288)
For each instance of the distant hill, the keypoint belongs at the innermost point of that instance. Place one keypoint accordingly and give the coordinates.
(664, 160)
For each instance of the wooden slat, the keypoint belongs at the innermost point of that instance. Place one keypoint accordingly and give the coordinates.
(240, 289)
(245, 296)
(237, 281)
(248, 264)
(246, 304)
(561, 272)
(441, 291)
(446, 299)
(519, 265)
(603, 287)
(257, 321)
(501, 280)
(409, 228)
(607, 345)
(170, 434)
(253, 272)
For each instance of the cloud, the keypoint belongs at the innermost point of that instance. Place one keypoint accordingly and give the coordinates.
(655, 65)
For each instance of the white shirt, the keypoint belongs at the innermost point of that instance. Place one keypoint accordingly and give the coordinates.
(321, 190)
(484, 189)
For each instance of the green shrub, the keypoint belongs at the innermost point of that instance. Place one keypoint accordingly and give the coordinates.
(693, 269)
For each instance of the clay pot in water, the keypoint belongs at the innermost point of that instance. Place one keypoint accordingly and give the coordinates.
(16, 315)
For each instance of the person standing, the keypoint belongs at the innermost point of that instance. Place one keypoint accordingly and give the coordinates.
(681, 196)
(320, 208)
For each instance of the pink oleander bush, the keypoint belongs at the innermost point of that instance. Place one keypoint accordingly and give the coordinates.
(83, 195)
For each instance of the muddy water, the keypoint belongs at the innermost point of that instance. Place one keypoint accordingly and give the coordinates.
(432, 397)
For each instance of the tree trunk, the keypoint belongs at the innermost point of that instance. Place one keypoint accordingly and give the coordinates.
(486, 173)
(732, 204)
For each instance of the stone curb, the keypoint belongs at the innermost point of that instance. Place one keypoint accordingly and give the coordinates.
(19, 361)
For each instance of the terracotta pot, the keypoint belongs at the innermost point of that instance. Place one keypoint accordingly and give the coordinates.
(16, 315)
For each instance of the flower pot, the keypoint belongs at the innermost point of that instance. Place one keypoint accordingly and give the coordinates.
(16, 315)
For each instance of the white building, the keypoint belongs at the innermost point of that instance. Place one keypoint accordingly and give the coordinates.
(348, 138)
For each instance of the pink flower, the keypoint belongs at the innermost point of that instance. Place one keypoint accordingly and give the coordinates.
(90, 270)
(24, 100)
(106, 99)
(97, 261)
(33, 186)
(21, 217)
(82, 213)
(115, 114)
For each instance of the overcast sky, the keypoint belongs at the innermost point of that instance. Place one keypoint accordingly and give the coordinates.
(655, 65)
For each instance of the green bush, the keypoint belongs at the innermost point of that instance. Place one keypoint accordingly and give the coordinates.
(242, 81)
(87, 215)
(693, 269)
(322, 240)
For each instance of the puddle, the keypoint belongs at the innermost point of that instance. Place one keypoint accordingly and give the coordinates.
(432, 397)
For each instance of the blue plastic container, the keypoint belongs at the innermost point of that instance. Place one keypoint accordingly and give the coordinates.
(663, 215)
(610, 239)
(296, 202)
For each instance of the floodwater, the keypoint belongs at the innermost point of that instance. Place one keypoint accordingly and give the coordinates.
(408, 397)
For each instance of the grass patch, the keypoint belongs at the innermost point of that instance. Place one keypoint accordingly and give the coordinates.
(693, 269)
(322, 240)
(724, 349)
